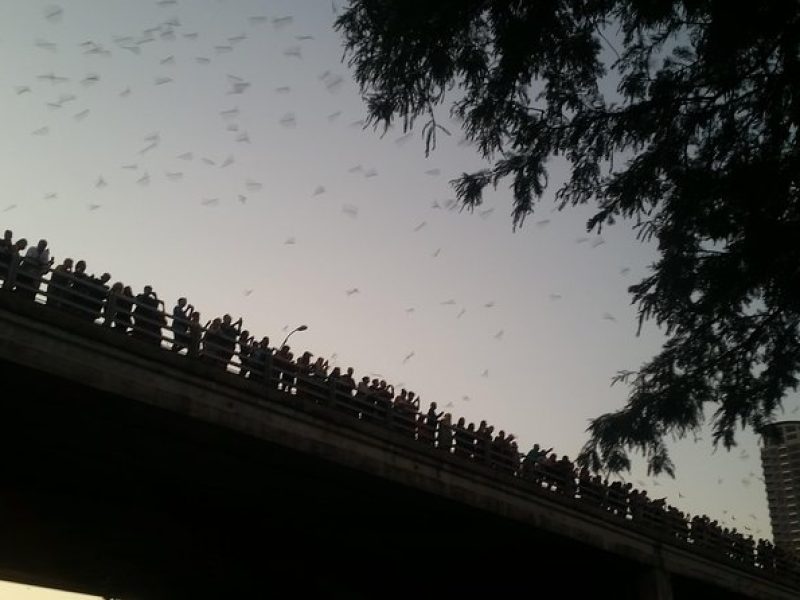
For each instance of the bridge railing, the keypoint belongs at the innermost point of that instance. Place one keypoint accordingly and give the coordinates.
(82, 299)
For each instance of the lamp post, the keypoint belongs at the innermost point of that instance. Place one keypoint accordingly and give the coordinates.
(286, 339)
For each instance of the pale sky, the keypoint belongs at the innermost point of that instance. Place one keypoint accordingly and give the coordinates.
(214, 149)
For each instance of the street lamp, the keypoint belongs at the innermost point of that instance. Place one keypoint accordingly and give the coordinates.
(301, 328)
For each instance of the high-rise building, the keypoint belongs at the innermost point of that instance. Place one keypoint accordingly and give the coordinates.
(780, 458)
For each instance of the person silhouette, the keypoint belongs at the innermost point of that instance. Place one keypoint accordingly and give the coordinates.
(180, 324)
(36, 263)
(6, 253)
(60, 281)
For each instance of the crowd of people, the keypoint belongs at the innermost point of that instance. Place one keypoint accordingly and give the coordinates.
(222, 344)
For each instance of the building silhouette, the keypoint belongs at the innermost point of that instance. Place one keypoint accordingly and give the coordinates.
(780, 458)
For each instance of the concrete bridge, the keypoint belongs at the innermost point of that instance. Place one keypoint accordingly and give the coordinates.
(132, 472)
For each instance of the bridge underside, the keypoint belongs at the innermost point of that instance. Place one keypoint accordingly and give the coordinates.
(108, 496)
(105, 495)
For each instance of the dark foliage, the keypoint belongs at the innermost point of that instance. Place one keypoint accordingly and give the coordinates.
(697, 147)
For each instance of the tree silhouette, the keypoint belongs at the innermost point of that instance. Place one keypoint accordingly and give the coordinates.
(679, 116)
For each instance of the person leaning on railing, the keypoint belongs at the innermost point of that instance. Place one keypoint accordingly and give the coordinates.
(17, 248)
(58, 286)
(376, 403)
(246, 348)
(340, 388)
(97, 289)
(258, 359)
(210, 353)
(362, 404)
(147, 318)
(303, 381)
(123, 321)
(444, 433)
(304, 363)
(36, 263)
(404, 412)
(515, 456)
(320, 369)
(483, 441)
(112, 303)
(7, 252)
(76, 294)
(591, 488)
(180, 324)
(529, 470)
(195, 335)
(424, 433)
(462, 439)
(283, 361)
(348, 378)
(229, 331)
(503, 452)
(431, 423)
(494, 447)
(679, 525)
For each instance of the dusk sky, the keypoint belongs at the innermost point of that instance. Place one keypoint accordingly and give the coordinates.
(215, 149)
